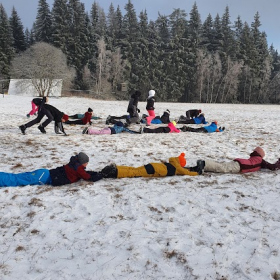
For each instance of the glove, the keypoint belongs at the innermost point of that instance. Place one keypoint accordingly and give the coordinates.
(90, 123)
(138, 110)
(95, 176)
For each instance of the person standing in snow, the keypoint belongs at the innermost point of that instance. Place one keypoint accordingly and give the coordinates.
(240, 165)
(63, 175)
(52, 114)
(132, 109)
(175, 166)
(150, 106)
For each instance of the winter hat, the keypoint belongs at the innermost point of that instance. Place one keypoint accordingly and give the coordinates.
(83, 158)
(65, 117)
(89, 110)
(167, 111)
(215, 122)
(260, 151)
(174, 123)
(199, 111)
(151, 93)
(182, 159)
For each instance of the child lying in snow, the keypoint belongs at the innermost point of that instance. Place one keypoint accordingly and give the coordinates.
(175, 166)
(239, 165)
(66, 174)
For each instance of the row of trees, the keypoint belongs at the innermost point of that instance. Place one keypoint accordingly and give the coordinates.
(181, 57)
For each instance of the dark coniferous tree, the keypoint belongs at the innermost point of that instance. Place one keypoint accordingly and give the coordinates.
(207, 34)
(60, 25)
(6, 44)
(18, 32)
(43, 22)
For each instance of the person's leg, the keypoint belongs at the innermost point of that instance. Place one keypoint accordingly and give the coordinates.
(48, 120)
(95, 131)
(36, 177)
(191, 129)
(221, 167)
(130, 172)
(75, 122)
(150, 117)
(155, 130)
(185, 121)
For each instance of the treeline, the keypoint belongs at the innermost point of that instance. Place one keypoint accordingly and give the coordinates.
(178, 55)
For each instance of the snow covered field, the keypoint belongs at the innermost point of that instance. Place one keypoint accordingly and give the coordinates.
(222, 227)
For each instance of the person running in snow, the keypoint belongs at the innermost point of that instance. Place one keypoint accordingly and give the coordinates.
(150, 107)
(240, 165)
(197, 120)
(85, 120)
(117, 128)
(170, 128)
(132, 109)
(52, 114)
(158, 120)
(35, 103)
(63, 175)
(206, 129)
(175, 166)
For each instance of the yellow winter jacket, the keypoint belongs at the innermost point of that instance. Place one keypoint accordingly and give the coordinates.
(171, 168)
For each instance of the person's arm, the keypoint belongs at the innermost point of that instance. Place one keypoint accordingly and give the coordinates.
(271, 166)
(95, 176)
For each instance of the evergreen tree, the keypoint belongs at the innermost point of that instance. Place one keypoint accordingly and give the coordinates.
(207, 34)
(60, 27)
(6, 44)
(43, 22)
(18, 33)
(77, 44)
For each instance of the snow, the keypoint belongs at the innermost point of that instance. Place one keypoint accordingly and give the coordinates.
(213, 226)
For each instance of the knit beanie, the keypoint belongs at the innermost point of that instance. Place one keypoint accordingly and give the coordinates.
(151, 93)
(167, 111)
(260, 151)
(83, 158)
(182, 159)
(89, 110)
(174, 123)
(65, 117)
(199, 111)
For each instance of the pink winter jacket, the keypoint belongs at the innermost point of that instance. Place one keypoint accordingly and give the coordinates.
(252, 164)
(173, 128)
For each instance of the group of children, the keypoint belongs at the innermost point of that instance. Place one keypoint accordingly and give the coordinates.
(75, 170)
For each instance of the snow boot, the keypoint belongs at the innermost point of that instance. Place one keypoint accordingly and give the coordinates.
(22, 128)
(42, 129)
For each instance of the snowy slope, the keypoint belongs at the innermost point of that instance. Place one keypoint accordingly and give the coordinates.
(214, 226)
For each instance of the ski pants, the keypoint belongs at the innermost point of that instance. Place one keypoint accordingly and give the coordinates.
(36, 177)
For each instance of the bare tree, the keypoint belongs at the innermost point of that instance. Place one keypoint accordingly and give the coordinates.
(44, 65)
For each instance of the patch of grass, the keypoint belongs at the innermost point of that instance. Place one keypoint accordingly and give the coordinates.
(275, 275)
(20, 248)
(35, 231)
(31, 214)
(17, 166)
(36, 202)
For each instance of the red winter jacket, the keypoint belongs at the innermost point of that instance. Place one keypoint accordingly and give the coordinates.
(254, 163)
(87, 118)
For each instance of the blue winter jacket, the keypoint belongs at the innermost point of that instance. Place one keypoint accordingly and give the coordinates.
(200, 119)
(212, 128)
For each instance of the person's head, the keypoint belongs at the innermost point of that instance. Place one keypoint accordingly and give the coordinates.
(199, 111)
(137, 93)
(167, 112)
(151, 93)
(83, 159)
(174, 123)
(89, 110)
(182, 159)
(215, 122)
(65, 118)
(260, 151)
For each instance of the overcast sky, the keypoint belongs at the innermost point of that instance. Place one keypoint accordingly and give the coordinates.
(269, 11)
